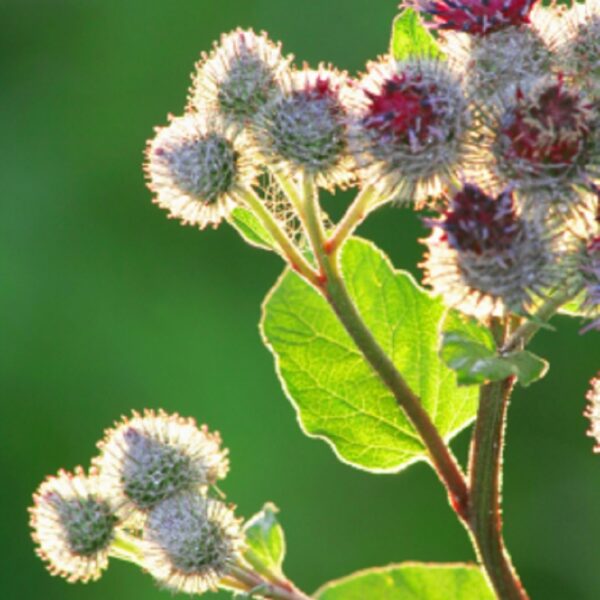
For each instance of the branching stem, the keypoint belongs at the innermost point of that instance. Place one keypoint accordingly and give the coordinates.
(365, 200)
(256, 586)
(335, 291)
(290, 252)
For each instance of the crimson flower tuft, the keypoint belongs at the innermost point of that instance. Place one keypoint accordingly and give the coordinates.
(409, 127)
(484, 258)
(479, 223)
(552, 130)
(477, 17)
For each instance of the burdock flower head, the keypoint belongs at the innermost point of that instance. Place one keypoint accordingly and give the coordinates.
(580, 51)
(194, 166)
(540, 138)
(154, 456)
(483, 258)
(238, 77)
(476, 17)
(303, 128)
(593, 410)
(503, 57)
(73, 525)
(190, 542)
(409, 127)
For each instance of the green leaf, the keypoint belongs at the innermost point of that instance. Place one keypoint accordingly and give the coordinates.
(411, 581)
(265, 541)
(471, 352)
(337, 396)
(574, 308)
(250, 228)
(410, 39)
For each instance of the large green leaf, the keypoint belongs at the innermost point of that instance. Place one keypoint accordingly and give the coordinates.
(337, 395)
(265, 541)
(411, 581)
(470, 350)
(410, 39)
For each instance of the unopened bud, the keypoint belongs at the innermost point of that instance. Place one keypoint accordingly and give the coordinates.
(238, 77)
(194, 165)
(73, 526)
(593, 410)
(303, 129)
(154, 456)
(190, 542)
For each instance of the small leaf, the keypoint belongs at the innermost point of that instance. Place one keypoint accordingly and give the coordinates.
(575, 308)
(471, 352)
(250, 228)
(410, 39)
(528, 367)
(336, 393)
(265, 541)
(411, 581)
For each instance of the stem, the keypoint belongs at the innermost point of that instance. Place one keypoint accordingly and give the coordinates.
(255, 585)
(527, 330)
(485, 476)
(352, 218)
(290, 252)
(335, 291)
(125, 547)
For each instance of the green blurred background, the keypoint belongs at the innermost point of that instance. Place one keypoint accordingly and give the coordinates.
(106, 306)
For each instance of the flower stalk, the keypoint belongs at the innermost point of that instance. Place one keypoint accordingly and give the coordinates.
(485, 490)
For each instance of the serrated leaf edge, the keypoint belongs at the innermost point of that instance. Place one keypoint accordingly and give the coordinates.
(393, 567)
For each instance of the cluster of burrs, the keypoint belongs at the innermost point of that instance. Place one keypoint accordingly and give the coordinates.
(499, 133)
(149, 498)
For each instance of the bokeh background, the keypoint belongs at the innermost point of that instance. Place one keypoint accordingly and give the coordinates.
(107, 306)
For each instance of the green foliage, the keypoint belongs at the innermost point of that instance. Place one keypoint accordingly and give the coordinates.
(336, 393)
(470, 350)
(410, 39)
(574, 307)
(411, 581)
(250, 228)
(265, 540)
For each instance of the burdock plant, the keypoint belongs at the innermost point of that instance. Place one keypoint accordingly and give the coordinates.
(486, 120)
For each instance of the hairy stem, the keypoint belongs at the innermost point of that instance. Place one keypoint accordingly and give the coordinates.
(126, 547)
(256, 586)
(365, 200)
(485, 483)
(335, 291)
